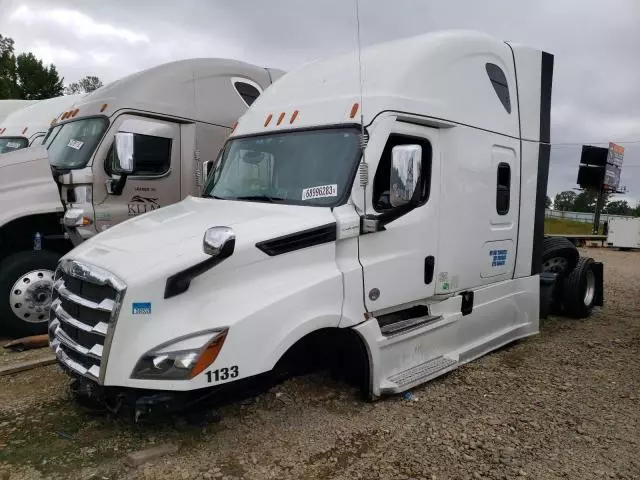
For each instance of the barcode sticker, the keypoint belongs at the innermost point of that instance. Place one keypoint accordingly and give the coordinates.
(321, 191)
(75, 144)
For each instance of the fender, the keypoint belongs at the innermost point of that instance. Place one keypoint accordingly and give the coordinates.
(26, 185)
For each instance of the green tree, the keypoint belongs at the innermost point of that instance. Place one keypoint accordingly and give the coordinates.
(35, 80)
(24, 76)
(618, 207)
(636, 211)
(586, 200)
(8, 78)
(564, 200)
(84, 85)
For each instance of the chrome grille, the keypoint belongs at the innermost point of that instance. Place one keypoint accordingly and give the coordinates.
(85, 307)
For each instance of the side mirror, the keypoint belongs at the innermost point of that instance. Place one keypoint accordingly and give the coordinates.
(206, 170)
(406, 168)
(123, 159)
(219, 242)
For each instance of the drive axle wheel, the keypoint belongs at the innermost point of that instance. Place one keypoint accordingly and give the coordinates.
(26, 285)
(580, 290)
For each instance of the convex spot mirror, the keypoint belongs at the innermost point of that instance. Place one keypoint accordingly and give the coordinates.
(406, 168)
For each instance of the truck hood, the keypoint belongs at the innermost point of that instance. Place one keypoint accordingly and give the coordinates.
(172, 236)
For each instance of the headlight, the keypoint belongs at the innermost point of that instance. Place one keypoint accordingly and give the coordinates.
(181, 359)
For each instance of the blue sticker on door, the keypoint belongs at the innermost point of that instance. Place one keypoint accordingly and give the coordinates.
(141, 308)
(498, 257)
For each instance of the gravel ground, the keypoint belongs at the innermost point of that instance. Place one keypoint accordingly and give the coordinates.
(565, 404)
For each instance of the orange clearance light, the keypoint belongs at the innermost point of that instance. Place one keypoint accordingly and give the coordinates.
(64, 116)
(293, 117)
(268, 120)
(235, 124)
(280, 118)
(75, 112)
(25, 130)
(209, 355)
(104, 107)
(354, 110)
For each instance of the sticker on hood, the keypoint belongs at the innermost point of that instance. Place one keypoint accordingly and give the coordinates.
(75, 144)
(321, 191)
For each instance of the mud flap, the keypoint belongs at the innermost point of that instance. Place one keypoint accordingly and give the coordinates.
(598, 270)
(547, 290)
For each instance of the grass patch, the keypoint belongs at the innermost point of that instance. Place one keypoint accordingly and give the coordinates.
(566, 227)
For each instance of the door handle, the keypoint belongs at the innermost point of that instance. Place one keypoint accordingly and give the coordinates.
(429, 264)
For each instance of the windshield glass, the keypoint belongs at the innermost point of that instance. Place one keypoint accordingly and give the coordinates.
(72, 146)
(303, 168)
(9, 144)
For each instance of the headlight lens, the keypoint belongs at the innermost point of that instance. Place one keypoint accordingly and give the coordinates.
(181, 359)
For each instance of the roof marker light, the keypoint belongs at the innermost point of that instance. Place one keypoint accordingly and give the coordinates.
(354, 110)
(268, 120)
(104, 107)
(75, 112)
(280, 118)
(233, 127)
(25, 130)
(293, 116)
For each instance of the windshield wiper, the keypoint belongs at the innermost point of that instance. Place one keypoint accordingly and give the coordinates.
(258, 198)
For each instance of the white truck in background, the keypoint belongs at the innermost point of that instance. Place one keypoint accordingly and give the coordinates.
(132, 146)
(28, 126)
(624, 233)
(9, 106)
(393, 263)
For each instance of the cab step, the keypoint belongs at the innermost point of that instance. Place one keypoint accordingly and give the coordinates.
(403, 326)
(418, 374)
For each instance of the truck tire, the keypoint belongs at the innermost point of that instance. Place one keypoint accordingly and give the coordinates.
(579, 292)
(26, 281)
(559, 256)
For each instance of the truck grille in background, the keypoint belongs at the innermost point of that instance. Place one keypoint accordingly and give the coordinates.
(85, 305)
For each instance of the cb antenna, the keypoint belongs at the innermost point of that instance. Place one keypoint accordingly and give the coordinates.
(364, 168)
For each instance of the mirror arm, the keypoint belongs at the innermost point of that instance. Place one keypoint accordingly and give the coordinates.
(376, 223)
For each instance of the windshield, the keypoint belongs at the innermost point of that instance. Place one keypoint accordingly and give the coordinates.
(9, 144)
(313, 167)
(73, 144)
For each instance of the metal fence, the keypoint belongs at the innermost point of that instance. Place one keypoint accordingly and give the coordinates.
(585, 217)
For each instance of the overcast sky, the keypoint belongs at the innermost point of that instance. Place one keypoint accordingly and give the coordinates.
(596, 93)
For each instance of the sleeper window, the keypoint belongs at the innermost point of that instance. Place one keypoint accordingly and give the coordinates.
(382, 179)
(248, 92)
(500, 85)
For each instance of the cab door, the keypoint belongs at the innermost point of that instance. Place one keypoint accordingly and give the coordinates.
(399, 261)
(155, 180)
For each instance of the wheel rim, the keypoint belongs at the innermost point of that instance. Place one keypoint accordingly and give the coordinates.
(556, 265)
(590, 291)
(30, 296)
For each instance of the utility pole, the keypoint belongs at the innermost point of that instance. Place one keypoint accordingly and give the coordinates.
(599, 206)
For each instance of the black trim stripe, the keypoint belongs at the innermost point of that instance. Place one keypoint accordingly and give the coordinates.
(296, 241)
(544, 151)
(546, 80)
(541, 194)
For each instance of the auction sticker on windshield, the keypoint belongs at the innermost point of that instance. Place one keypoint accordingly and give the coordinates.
(321, 191)
(75, 144)
(13, 145)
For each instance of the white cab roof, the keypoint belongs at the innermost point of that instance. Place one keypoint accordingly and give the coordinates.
(441, 75)
(9, 106)
(199, 89)
(35, 118)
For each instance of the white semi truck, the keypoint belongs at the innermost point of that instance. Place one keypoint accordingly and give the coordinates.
(394, 263)
(28, 126)
(168, 123)
(9, 106)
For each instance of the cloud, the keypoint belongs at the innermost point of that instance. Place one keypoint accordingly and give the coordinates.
(82, 25)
